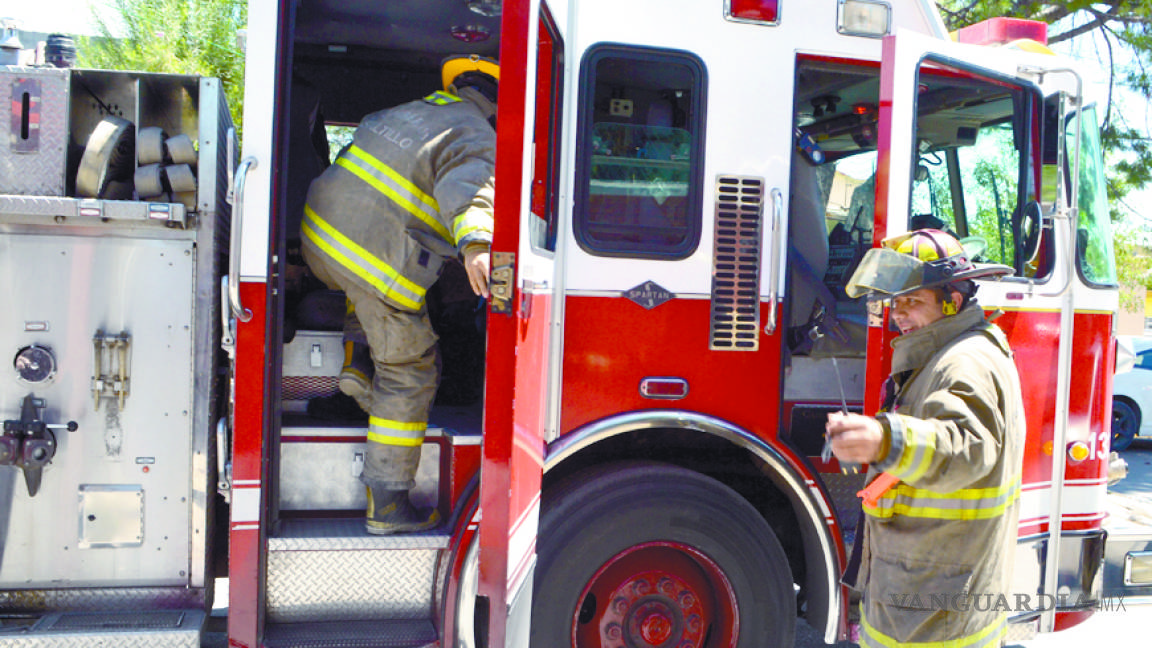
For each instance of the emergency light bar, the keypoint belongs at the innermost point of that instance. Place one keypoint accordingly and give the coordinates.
(871, 18)
(999, 31)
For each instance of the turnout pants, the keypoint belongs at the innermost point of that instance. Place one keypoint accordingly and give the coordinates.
(403, 347)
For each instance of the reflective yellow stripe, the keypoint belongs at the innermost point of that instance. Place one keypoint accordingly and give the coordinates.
(989, 636)
(397, 433)
(394, 441)
(918, 451)
(361, 262)
(962, 504)
(469, 222)
(441, 98)
(399, 189)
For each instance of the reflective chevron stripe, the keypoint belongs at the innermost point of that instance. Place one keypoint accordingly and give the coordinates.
(396, 187)
(361, 262)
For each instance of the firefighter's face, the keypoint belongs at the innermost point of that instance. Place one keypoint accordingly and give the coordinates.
(917, 309)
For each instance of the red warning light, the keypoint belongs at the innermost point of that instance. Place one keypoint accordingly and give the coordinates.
(757, 10)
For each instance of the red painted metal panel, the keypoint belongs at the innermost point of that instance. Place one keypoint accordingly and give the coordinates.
(245, 547)
(1034, 337)
(611, 344)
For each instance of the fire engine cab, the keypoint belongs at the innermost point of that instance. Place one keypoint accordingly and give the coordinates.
(626, 447)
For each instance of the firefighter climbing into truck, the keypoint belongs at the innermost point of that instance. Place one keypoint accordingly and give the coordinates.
(424, 168)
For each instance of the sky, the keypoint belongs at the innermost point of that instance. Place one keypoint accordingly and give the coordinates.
(67, 16)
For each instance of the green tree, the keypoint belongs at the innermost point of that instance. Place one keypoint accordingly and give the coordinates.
(1124, 27)
(173, 36)
(1134, 270)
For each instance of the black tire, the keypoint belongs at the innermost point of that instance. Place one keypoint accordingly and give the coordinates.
(665, 544)
(1125, 423)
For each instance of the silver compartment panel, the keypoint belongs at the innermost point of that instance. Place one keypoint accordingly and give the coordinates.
(320, 470)
(59, 290)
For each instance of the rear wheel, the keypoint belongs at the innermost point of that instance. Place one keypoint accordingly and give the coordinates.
(647, 555)
(1125, 423)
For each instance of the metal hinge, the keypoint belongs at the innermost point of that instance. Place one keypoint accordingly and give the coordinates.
(503, 273)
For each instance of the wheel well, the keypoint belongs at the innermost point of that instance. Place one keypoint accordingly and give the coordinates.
(710, 455)
(1129, 402)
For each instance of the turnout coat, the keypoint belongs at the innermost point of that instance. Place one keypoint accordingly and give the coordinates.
(937, 548)
(414, 187)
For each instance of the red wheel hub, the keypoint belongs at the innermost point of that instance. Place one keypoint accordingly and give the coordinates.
(657, 595)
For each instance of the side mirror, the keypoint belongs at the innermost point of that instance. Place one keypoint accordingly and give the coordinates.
(1030, 225)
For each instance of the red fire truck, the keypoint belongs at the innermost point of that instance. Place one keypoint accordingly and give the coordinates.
(626, 447)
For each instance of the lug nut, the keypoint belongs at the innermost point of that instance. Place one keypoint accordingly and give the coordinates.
(686, 599)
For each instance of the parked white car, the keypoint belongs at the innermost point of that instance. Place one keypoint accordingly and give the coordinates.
(1132, 392)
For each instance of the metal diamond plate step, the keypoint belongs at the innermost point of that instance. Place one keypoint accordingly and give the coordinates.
(332, 570)
(175, 628)
(348, 534)
(399, 633)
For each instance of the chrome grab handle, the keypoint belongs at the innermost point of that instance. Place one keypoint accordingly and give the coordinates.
(223, 460)
(230, 167)
(227, 324)
(238, 310)
(777, 248)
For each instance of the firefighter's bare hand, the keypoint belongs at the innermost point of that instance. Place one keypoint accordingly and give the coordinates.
(855, 438)
(477, 263)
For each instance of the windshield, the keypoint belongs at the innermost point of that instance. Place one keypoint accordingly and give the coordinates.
(1094, 227)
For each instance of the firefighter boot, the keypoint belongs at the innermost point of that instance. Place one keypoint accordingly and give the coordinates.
(390, 511)
(356, 376)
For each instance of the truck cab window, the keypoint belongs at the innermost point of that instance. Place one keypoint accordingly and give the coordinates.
(972, 176)
(639, 183)
(1094, 229)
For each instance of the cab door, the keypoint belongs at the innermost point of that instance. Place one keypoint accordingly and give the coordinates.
(982, 142)
(939, 101)
(520, 376)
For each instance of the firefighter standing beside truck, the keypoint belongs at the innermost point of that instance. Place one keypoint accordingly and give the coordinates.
(935, 555)
(413, 189)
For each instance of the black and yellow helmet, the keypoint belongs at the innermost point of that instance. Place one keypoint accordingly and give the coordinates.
(470, 69)
(926, 258)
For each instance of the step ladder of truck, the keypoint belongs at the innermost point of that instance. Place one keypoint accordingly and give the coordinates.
(328, 582)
